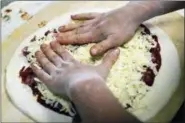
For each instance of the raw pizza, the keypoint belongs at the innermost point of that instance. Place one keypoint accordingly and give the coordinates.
(131, 78)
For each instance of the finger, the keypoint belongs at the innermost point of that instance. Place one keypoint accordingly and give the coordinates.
(89, 22)
(82, 29)
(60, 50)
(51, 55)
(103, 46)
(75, 38)
(110, 58)
(78, 30)
(84, 16)
(41, 74)
(44, 62)
(71, 27)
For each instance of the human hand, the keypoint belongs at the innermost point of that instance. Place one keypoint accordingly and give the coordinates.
(61, 71)
(112, 28)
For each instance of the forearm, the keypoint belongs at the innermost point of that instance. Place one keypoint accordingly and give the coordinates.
(144, 10)
(95, 103)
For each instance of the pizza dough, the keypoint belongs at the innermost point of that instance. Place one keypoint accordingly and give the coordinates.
(164, 86)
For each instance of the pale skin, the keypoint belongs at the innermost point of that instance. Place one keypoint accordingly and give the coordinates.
(84, 84)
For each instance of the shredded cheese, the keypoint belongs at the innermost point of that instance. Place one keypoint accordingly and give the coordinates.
(50, 98)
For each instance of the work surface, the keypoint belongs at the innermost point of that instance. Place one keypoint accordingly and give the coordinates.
(172, 24)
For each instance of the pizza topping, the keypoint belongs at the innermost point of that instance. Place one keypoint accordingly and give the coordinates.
(25, 51)
(20, 11)
(47, 32)
(54, 30)
(27, 75)
(6, 17)
(55, 107)
(43, 95)
(33, 39)
(146, 30)
(134, 76)
(128, 106)
(42, 24)
(149, 77)
(20, 72)
(8, 10)
(156, 57)
(26, 16)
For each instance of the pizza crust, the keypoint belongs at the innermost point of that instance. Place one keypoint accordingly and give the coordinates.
(169, 73)
(166, 81)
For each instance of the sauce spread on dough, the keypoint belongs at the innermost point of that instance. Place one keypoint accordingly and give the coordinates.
(149, 76)
(25, 51)
(27, 77)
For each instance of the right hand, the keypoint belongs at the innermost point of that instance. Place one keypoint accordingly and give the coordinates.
(60, 71)
(110, 30)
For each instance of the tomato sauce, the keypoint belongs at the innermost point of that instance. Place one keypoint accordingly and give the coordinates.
(27, 77)
(149, 76)
(25, 51)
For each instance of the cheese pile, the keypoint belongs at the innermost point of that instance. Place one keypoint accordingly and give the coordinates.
(54, 100)
(125, 76)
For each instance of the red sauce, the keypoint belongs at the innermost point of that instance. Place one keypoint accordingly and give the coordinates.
(156, 57)
(27, 77)
(149, 76)
(25, 51)
(56, 109)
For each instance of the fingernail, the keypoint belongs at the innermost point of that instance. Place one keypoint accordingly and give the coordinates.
(61, 27)
(43, 45)
(55, 34)
(53, 42)
(116, 51)
(37, 52)
(94, 51)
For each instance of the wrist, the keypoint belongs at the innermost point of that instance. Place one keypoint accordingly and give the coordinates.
(82, 86)
(78, 80)
(129, 11)
(144, 10)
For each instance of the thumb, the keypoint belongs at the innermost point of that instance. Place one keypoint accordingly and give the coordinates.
(108, 61)
(105, 45)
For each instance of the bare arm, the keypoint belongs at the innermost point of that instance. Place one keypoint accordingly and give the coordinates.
(144, 10)
(96, 104)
